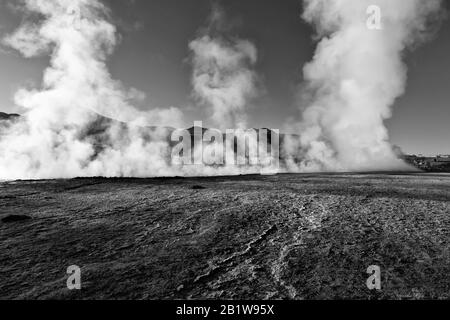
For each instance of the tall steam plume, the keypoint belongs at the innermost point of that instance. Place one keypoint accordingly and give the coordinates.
(53, 139)
(223, 78)
(61, 134)
(355, 77)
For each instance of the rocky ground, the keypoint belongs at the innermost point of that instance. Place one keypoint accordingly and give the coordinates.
(250, 237)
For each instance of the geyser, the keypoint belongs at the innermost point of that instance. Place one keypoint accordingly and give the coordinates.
(59, 134)
(350, 86)
(356, 75)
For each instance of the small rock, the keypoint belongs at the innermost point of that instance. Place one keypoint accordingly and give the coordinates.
(15, 218)
(198, 187)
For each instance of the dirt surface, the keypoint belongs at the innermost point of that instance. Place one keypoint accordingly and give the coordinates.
(251, 237)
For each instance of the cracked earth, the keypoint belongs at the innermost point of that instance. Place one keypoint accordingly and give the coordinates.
(249, 237)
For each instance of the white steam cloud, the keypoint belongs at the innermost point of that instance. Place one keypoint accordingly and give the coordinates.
(61, 134)
(52, 141)
(351, 85)
(223, 78)
(352, 82)
(79, 38)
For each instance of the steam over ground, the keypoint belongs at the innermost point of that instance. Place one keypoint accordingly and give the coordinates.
(355, 77)
(351, 84)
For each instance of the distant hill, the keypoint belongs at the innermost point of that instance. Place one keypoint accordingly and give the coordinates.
(429, 164)
(97, 132)
(100, 124)
(8, 116)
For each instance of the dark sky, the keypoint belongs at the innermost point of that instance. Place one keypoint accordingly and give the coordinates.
(152, 57)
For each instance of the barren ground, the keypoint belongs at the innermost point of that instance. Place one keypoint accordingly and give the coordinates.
(251, 237)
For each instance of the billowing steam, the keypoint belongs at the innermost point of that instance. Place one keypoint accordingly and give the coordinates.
(52, 140)
(223, 78)
(79, 38)
(61, 135)
(355, 77)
